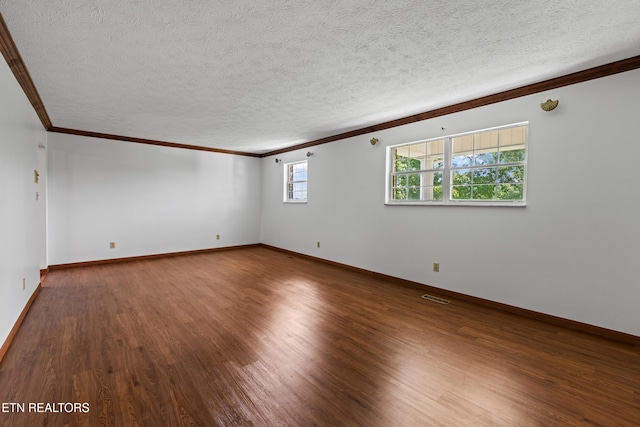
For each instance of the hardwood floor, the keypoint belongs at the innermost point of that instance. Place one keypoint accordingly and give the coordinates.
(257, 337)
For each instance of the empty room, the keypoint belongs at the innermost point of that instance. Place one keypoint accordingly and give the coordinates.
(339, 213)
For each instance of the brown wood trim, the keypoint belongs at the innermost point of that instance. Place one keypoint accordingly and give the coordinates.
(554, 83)
(14, 330)
(148, 257)
(566, 80)
(43, 275)
(19, 69)
(147, 141)
(547, 318)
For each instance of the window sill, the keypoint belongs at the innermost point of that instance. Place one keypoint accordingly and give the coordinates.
(492, 203)
(295, 202)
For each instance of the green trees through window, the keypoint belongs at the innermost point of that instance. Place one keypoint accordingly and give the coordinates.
(482, 166)
(411, 186)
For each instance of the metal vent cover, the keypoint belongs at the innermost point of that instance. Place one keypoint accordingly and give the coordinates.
(436, 299)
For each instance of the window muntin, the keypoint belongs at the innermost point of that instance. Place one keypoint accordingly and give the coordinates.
(483, 167)
(295, 178)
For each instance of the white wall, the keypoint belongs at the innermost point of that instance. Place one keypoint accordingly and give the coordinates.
(20, 134)
(42, 205)
(572, 252)
(147, 199)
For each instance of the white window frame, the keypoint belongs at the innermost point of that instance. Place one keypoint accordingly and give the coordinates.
(285, 175)
(447, 172)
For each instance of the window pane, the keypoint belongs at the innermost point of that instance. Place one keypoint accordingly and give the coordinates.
(486, 158)
(512, 144)
(483, 192)
(299, 187)
(297, 191)
(462, 151)
(437, 193)
(510, 174)
(512, 136)
(432, 193)
(299, 176)
(414, 193)
(416, 156)
(434, 162)
(461, 192)
(485, 148)
(435, 155)
(416, 163)
(401, 159)
(510, 192)
(484, 176)
(299, 172)
(414, 179)
(400, 193)
(462, 176)
(433, 178)
(400, 180)
(513, 155)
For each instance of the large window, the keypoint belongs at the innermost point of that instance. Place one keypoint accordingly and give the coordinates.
(295, 182)
(486, 167)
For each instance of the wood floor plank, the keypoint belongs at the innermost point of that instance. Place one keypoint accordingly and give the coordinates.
(257, 337)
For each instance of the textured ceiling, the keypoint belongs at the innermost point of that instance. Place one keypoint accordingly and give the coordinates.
(257, 76)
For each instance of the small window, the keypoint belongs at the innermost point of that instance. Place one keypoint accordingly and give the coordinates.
(295, 179)
(484, 167)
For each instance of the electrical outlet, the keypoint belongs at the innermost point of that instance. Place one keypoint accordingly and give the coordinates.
(24, 283)
(217, 237)
(112, 245)
(436, 267)
(318, 244)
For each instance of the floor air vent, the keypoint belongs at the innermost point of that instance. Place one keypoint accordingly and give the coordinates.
(436, 299)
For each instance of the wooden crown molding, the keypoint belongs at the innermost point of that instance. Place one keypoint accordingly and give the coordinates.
(19, 69)
(555, 83)
(147, 141)
(16, 65)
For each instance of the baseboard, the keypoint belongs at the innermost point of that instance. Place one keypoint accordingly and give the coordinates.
(148, 257)
(547, 318)
(14, 330)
